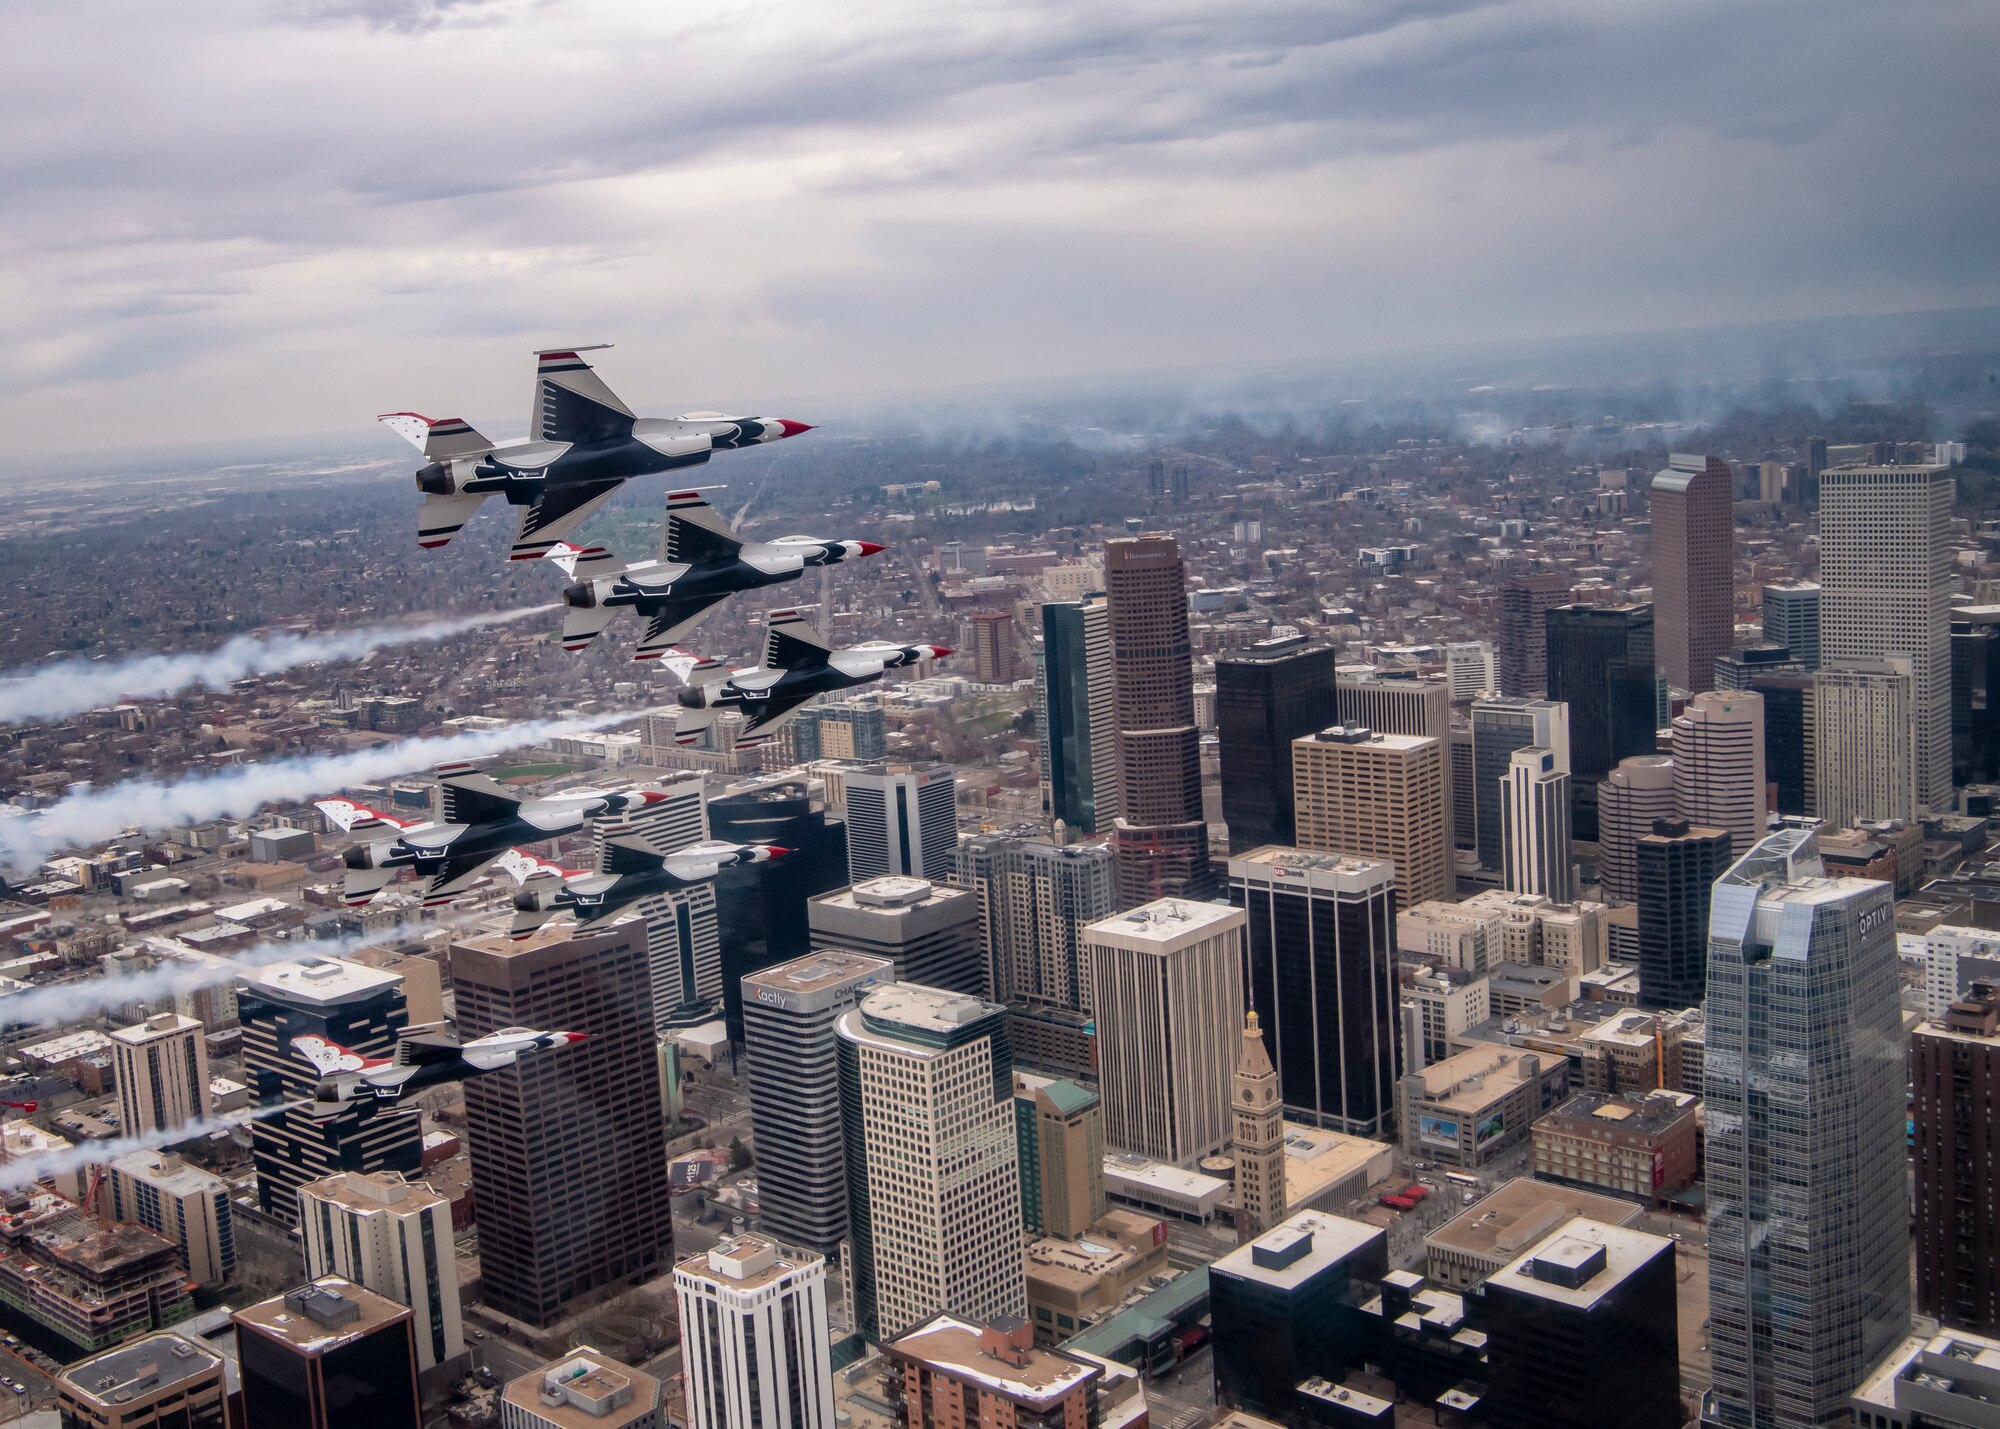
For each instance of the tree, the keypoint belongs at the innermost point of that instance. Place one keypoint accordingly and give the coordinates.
(739, 1154)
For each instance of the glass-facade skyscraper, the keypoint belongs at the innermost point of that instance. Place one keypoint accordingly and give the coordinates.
(1601, 665)
(1266, 696)
(1808, 1199)
(1079, 743)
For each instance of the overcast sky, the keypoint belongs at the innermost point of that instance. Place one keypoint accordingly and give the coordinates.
(247, 219)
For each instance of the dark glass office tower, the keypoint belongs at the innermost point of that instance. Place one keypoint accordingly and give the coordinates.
(761, 907)
(1499, 727)
(1975, 694)
(1676, 866)
(1788, 748)
(568, 1148)
(1079, 743)
(1320, 972)
(1601, 665)
(1266, 696)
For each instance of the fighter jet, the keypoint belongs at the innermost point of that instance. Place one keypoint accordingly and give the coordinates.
(797, 665)
(583, 445)
(627, 871)
(702, 562)
(480, 822)
(424, 1058)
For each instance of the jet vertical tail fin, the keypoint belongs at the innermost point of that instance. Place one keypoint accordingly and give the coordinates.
(694, 531)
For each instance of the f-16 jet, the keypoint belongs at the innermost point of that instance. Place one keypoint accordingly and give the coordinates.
(424, 1058)
(480, 822)
(627, 872)
(797, 665)
(702, 562)
(583, 445)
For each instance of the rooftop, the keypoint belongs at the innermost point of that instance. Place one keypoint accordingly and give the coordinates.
(585, 1390)
(1316, 1158)
(1582, 1262)
(930, 1010)
(1520, 1213)
(746, 1262)
(136, 1371)
(1298, 1248)
(168, 1172)
(1361, 736)
(893, 893)
(988, 1356)
(1645, 1115)
(320, 981)
(818, 971)
(1162, 922)
(373, 1191)
(164, 1024)
(320, 1316)
(1477, 1077)
(1954, 1363)
(1343, 872)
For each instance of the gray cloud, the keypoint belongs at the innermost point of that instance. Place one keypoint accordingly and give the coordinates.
(244, 218)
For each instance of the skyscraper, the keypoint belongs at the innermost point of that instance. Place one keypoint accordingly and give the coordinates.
(1601, 664)
(1719, 764)
(1791, 619)
(902, 818)
(1391, 705)
(754, 1336)
(1501, 725)
(1469, 670)
(1379, 796)
(1675, 865)
(1168, 978)
(994, 661)
(1160, 838)
(1035, 899)
(1320, 972)
(1638, 791)
(1789, 738)
(933, 1178)
(760, 908)
(1266, 696)
(329, 1355)
(1523, 648)
(792, 1065)
(1257, 1136)
(358, 1007)
(568, 1152)
(392, 1236)
(1808, 1268)
(1535, 834)
(1865, 750)
(1079, 732)
(1885, 590)
(162, 1071)
(1694, 542)
(683, 939)
(928, 932)
(1059, 1126)
(1975, 694)
(1954, 1074)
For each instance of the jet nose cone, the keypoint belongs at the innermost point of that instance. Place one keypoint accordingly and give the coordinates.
(775, 850)
(652, 796)
(792, 429)
(938, 652)
(870, 548)
(575, 1037)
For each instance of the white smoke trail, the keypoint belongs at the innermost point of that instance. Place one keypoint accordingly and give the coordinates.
(58, 691)
(91, 816)
(62, 1003)
(24, 1170)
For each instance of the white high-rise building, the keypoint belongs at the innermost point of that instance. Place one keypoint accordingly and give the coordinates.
(683, 937)
(1865, 742)
(1808, 1168)
(754, 1336)
(1035, 899)
(393, 1237)
(1944, 976)
(902, 818)
(1168, 979)
(1885, 590)
(185, 1204)
(162, 1070)
(1719, 765)
(1535, 832)
(933, 1163)
(1468, 669)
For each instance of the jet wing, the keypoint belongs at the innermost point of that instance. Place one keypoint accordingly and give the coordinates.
(454, 876)
(559, 510)
(673, 622)
(771, 715)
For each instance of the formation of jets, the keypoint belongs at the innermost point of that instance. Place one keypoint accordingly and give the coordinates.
(628, 871)
(424, 1058)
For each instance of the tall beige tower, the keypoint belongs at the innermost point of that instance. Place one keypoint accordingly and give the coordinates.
(162, 1070)
(1693, 548)
(1632, 796)
(1885, 590)
(1257, 1137)
(1381, 796)
(1865, 742)
(1719, 765)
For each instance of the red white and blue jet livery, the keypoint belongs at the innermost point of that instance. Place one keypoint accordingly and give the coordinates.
(702, 563)
(424, 1058)
(797, 665)
(628, 871)
(480, 822)
(584, 445)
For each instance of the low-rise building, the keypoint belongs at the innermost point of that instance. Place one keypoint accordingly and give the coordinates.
(159, 1382)
(1949, 1377)
(1448, 1001)
(583, 1390)
(1071, 1283)
(1471, 1107)
(183, 1203)
(950, 1373)
(93, 1285)
(1648, 1147)
(1517, 1217)
(1326, 1168)
(1148, 1185)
